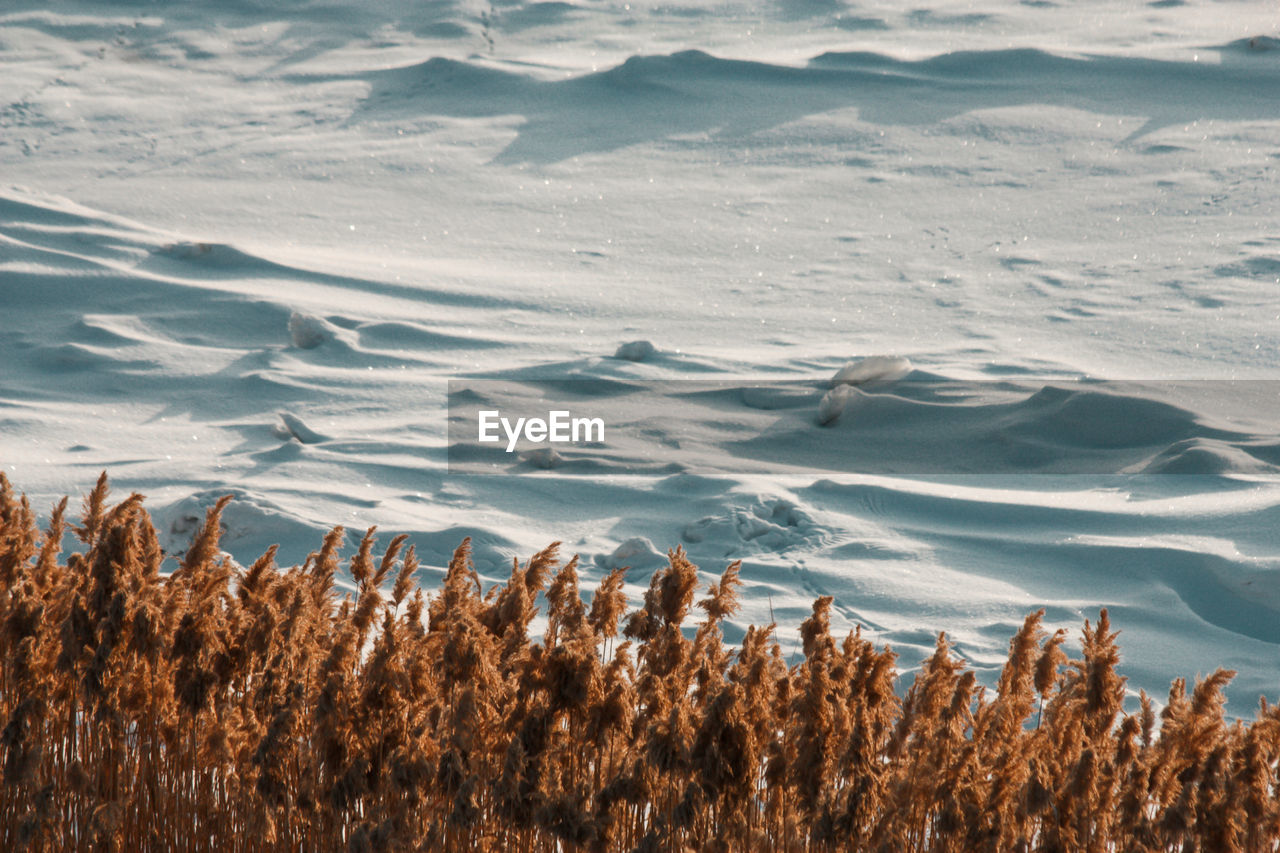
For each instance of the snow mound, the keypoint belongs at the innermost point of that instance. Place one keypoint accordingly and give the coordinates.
(545, 458)
(875, 368)
(292, 427)
(309, 332)
(251, 523)
(635, 351)
(637, 552)
(832, 404)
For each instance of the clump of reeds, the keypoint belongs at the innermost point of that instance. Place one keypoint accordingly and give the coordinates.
(216, 708)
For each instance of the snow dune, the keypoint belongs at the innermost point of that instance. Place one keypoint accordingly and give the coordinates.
(245, 248)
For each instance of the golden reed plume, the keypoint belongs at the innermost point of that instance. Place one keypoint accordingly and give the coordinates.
(214, 708)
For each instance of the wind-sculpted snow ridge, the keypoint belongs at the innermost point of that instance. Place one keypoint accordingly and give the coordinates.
(171, 354)
(892, 424)
(151, 702)
(648, 98)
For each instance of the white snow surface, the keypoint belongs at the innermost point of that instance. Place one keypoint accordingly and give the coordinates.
(244, 245)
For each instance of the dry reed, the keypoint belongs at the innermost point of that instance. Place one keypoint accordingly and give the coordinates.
(216, 708)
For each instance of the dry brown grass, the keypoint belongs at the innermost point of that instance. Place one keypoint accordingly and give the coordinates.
(213, 708)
